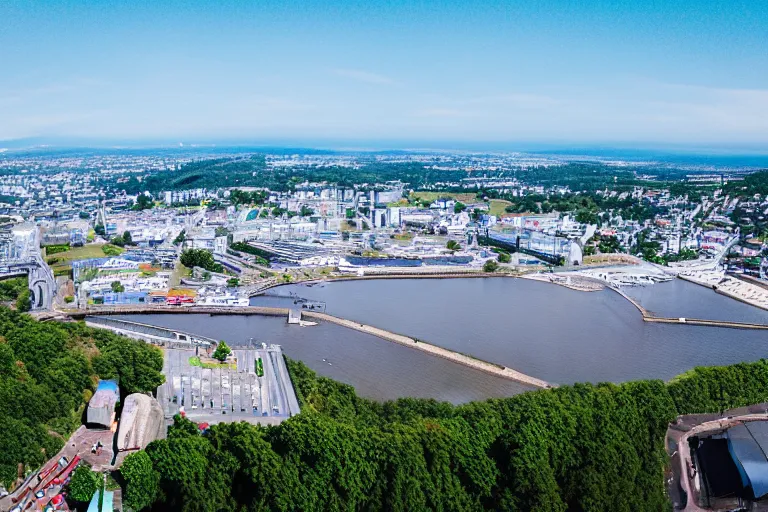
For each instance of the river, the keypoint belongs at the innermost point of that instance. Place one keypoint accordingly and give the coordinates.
(377, 369)
(547, 331)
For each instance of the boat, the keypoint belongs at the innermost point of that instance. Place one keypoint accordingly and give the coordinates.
(223, 300)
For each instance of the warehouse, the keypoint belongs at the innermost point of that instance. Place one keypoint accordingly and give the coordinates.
(733, 463)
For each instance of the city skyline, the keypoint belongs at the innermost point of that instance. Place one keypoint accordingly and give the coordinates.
(614, 73)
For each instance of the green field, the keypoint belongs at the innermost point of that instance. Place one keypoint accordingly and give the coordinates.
(64, 259)
(497, 207)
(432, 196)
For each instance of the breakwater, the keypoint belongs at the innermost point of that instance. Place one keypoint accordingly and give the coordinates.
(494, 369)
(648, 317)
(456, 357)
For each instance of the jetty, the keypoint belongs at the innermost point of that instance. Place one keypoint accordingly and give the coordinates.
(649, 317)
(456, 357)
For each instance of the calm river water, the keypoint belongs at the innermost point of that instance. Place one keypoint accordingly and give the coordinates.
(549, 331)
(544, 330)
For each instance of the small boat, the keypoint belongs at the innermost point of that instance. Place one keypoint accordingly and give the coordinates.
(223, 300)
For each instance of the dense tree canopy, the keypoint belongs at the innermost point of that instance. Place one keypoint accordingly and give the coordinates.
(200, 258)
(573, 448)
(583, 447)
(48, 372)
(141, 481)
(83, 484)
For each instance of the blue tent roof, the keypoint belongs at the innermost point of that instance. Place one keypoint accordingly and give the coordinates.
(108, 385)
(748, 444)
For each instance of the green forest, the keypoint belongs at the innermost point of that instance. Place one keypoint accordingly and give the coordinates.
(252, 171)
(48, 372)
(574, 448)
(583, 447)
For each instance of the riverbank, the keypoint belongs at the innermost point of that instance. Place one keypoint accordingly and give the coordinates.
(458, 274)
(755, 294)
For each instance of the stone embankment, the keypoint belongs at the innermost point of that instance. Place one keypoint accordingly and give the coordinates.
(498, 370)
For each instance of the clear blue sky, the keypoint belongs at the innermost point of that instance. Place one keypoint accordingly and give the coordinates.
(634, 71)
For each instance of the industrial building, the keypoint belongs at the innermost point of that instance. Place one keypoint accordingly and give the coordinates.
(733, 463)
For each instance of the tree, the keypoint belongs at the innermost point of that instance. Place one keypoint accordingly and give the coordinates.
(24, 301)
(585, 216)
(141, 481)
(117, 287)
(143, 202)
(609, 244)
(111, 250)
(504, 257)
(453, 245)
(233, 282)
(200, 258)
(99, 229)
(180, 238)
(83, 484)
(490, 266)
(222, 351)
(127, 238)
(306, 211)
(137, 366)
(84, 215)
(459, 207)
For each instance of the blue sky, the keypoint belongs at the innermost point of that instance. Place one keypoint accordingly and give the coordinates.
(620, 72)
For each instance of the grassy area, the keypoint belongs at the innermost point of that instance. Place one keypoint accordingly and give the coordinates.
(179, 271)
(83, 253)
(63, 260)
(497, 207)
(195, 361)
(432, 196)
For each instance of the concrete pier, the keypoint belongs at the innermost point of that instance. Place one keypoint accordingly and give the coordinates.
(648, 317)
(456, 357)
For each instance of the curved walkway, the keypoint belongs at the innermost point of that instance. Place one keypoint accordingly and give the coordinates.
(457, 357)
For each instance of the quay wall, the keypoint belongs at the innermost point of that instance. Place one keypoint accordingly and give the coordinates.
(138, 309)
(737, 297)
(695, 281)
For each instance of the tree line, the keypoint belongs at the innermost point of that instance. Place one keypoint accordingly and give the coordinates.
(574, 448)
